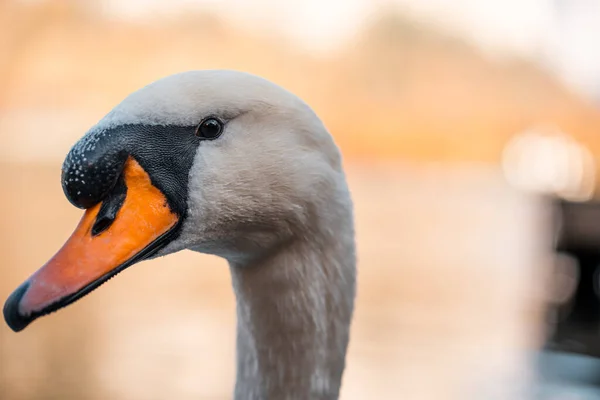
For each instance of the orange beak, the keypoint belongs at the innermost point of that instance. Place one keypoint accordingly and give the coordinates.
(142, 225)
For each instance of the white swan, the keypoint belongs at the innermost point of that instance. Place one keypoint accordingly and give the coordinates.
(224, 163)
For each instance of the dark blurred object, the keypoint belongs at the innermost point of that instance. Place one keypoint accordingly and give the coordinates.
(569, 365)
(577, 320)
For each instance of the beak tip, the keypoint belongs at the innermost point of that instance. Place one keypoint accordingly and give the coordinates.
(14, 319)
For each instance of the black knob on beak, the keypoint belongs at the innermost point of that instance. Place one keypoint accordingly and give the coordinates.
(90, 172)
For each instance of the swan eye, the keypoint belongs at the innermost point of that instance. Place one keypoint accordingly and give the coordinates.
(210, 128)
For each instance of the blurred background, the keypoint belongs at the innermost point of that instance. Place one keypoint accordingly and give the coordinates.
(468, 127)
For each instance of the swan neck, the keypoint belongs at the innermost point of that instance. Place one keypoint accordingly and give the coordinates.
(294, 311)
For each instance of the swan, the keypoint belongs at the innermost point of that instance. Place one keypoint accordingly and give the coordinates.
(229, 164)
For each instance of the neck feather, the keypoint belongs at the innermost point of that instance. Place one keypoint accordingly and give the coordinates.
(294, 312)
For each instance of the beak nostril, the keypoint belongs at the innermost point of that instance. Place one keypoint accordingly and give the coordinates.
(110, 207)
(102, 223)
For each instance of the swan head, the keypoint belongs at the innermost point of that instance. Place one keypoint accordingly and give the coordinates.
(221, 162)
